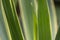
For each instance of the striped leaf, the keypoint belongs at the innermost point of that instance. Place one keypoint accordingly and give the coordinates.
(27, 13)
(12, 19)
(44, 20)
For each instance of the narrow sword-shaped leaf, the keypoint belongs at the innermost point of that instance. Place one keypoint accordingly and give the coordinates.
(53, 19)
(29, 19)
(43, 20)
(14, 27)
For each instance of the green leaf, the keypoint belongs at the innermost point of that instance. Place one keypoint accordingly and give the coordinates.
(43, 20)
(29, 19)
(12, 19)
(53, 18)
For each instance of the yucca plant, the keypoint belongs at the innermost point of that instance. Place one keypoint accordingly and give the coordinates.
(35, 19)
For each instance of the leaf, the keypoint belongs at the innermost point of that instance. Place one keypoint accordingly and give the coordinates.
(44, 29)
(12, 19)
(28, 18)
(53, 18)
